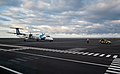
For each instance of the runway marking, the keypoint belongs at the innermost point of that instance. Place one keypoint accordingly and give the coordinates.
(114, 67)
(77, 49)
(91, 54)
(115, 56)
(102, 55)
(1, 49)
(112, 72)
(96, 54)
(16, 72)
(85, 53)
(80, 52)
(59, 51)
(68, 51)
(108, 55)
(73, 52)
(10, 45)
(63, 59)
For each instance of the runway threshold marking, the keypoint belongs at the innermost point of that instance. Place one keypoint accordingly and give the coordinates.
(115, 56)
(90, 53)
(114, 68)
(108, 55)
(96, 54)
(63, 59)
(102, 55)
(13, 71)
(59, 51)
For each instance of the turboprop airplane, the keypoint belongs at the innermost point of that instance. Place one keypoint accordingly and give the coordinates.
(37, 37)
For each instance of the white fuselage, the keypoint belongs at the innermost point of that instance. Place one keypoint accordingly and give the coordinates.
(36, 37)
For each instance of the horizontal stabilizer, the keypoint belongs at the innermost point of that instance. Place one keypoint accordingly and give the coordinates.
(16, 28)
(11, 32)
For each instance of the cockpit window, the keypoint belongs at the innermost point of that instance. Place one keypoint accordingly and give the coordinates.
(47, 36)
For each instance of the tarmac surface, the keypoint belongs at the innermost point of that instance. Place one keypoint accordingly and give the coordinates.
(62, 56)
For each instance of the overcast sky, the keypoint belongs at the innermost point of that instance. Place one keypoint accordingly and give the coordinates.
(60, 18)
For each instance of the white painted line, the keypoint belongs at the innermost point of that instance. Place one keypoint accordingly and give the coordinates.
(102, 55)
(108, 55)
(10, 45)
(85, 53)
(55, 51)
(115, 56)
(10, 70)
(80, 52)
(105, 73)
(74, 52)
(91, 54)
(2, 49)
(96, 54)
(69, 51)
(65, 51)
(26, 48)
(115, 66)
(112, 71)
(115, 62)
(57, 58)
(61, 51)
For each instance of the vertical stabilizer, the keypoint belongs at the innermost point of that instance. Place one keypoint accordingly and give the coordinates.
(18, 31)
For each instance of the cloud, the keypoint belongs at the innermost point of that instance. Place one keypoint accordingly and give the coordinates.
(35, 4)
(115, 22)
(2, 18)
(104, 10)
(63, 16)
(52, 5)
(52, 29)
(10, 3)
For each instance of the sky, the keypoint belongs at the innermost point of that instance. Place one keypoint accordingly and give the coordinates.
(61, 18)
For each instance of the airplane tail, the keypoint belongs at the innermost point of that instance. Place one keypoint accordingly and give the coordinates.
(18, 31)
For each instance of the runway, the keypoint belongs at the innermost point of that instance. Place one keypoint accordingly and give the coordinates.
(63, 56)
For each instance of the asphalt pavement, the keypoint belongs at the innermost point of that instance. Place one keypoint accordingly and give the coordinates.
(62, 56)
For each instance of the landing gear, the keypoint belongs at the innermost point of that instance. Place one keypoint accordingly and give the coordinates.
(37, 39)
(51, 40)
(25, 40)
